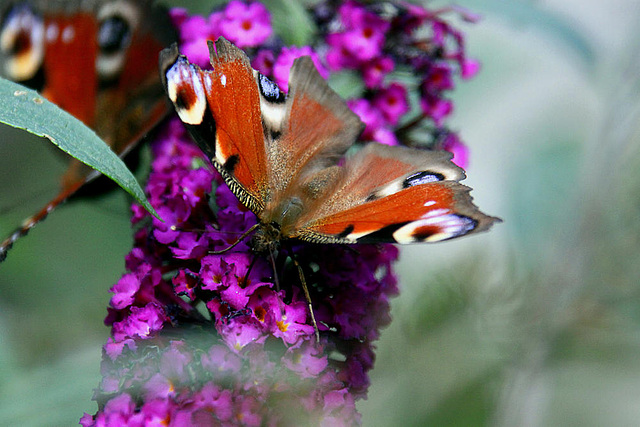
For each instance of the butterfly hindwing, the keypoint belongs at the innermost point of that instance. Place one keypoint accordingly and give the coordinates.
(393, 194)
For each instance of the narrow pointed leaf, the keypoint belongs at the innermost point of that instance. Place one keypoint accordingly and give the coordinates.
(24, 108)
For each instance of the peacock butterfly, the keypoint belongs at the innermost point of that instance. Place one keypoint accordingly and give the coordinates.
(283, 156)
(95, 59)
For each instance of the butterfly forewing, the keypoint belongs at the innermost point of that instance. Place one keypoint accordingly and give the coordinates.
(222, 109)
(316, 131)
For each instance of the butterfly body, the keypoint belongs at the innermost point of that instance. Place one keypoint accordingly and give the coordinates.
(283, 156)
(96, 60)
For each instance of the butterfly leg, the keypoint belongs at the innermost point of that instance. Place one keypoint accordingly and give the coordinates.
(276, 282)
(307, 296)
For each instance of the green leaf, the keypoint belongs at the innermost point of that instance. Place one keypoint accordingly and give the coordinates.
(24, 108)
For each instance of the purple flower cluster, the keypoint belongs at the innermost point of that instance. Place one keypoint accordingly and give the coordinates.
(208, 339)
(198, 336)
(379, 42)
(201, 382)
(244, 24)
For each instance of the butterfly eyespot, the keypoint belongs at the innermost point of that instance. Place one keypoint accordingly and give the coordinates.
(272, 106)
(435, 227)
(114, 35)
(422, 178)
(184, 99)
(22, 44)
(185, 90)
(270, 90)
(118, 20)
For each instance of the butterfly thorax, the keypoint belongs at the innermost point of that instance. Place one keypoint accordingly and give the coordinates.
(266, 238)
(277, 222)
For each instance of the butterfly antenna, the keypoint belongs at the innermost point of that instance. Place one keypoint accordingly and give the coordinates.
(237, 242)
(306, 295)
(32, 221)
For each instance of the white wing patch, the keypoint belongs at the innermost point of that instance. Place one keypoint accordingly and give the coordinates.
(24, 64)
(449, 225)
(187, 93)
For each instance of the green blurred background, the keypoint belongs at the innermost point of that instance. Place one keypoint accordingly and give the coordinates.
(536, 323)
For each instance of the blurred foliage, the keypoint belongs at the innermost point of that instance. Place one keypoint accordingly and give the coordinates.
(534, 323)
(531, 14)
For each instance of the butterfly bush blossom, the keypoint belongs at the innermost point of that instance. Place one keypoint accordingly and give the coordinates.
(208, 339)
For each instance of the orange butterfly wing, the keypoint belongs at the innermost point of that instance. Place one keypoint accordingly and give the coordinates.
(393, 194)
(221, 109)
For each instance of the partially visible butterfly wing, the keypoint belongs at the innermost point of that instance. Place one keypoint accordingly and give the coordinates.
(97, 61)
(392, 194)
(131, 99)
(70, 39)
(221, 109)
